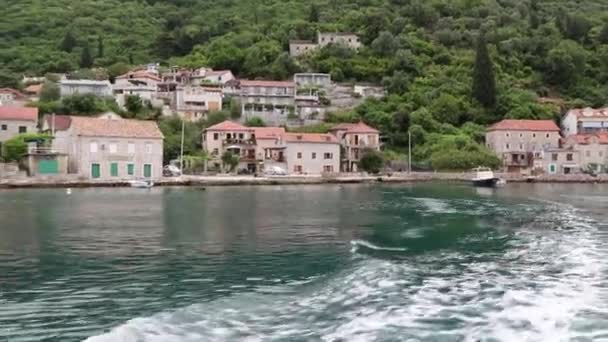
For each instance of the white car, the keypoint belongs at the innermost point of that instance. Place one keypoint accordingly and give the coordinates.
(275, 171)
(171, 171)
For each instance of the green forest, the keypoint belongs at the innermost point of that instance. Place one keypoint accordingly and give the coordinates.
(450, 66)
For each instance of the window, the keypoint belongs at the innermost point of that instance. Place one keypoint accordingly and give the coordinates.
(228, 136)
(588, 153)
(569, 157)
(114, 169)
(554, 156)
(507, 135)
(507, 146)
(299, 155)
(113, 148)
(130, 169)
(521, 135)
(147, 170)
(328, 168)
(328, 155)
(533, 135)
(131, 148)
(547, 135)
(297, 168)
(241, 135)
(22, 129)
(93, 147)
(148, 148)
(600, 153)
(216, 136)
(521, 147)
(216, 151)
(4, 128)
(314, 155)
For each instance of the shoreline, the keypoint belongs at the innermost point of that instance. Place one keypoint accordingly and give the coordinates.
(417, 177)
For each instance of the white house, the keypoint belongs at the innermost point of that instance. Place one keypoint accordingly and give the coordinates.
(585, 121)
(194, 102)
(97, 88)
(16, 120)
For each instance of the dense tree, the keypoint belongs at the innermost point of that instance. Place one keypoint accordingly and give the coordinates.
(313, 13)
(49, 92)
(99, 47)
(86, 60)
(134, 104)
(68, 43)
(566, 63)
(371, 161)
(229, 161)
(603, 35)
(255, 121)
(484, 84)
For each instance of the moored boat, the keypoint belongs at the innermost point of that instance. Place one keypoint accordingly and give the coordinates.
(484, 177)
(142, 184)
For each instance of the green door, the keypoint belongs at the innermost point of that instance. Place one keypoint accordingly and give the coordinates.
(48, 167)
(95, 171)
(130, 169)
(147, 170)
(114, 169)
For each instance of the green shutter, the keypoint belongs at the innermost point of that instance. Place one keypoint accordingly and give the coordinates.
(147, 170)
(130, 169)
(95, 171)
(48, 167)
(114, 169)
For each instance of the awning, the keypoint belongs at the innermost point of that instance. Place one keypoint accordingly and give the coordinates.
(592, 124)
(233, 147)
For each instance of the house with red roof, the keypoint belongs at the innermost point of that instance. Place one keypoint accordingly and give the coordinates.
(355, 138)
(10, 96)
(519, 142)
(585, 121)
(312, 153)
(591, 150)
(16, 120)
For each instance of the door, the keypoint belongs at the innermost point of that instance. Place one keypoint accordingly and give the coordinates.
(48, 167)
(114, 169)
(130, 169)
(95, 170)
(147, 170)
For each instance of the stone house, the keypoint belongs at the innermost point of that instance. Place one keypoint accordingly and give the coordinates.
(142, 83)
(273, 101)
(312, 79)
(229, 136)
(109, 147)
(312, 153)
(219, 77)
(592, 150)
(271, 147)
(558, 160)
(194, 102)
(97, 88)
(518, 142)
(355, 138)
(347, 39)
(585, 121)
(301, 47)
(17, 120)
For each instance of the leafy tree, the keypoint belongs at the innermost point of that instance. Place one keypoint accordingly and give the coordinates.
(86, 60)
(313, 13)
(14, 149)
(230, 160)
(49, 92)
(134, 104)
(576, 27)
(385, 44)
(68, 43)
(448, 109)
(235, 109)
(215, 118)
(255, 121)
(565, 62)
(371, 161)
(603, 35)
(484, 84)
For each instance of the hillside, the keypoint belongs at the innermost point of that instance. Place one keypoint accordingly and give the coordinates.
(423, 51)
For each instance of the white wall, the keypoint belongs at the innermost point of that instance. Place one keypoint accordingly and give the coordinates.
(310, 165)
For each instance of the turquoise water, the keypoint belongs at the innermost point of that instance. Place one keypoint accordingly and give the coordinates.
(305, 263)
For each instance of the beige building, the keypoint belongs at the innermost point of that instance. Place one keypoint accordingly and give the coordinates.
(232, 137)
(518, 142)
(10, 97)
(562, 161)
(311, 153)
(355, 138)
(73, 87)
(142, 83)
(16, 120)
(592, 150)
(585, 121)
(194, 102)
(109, 147)
(271, 147)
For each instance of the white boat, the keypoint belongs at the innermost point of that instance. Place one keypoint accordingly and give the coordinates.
(142, 184)
(484, 176)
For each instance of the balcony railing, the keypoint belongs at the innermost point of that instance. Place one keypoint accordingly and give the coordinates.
(40, 150)
(233, 141)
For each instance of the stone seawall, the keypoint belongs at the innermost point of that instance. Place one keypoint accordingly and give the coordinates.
(416, 177)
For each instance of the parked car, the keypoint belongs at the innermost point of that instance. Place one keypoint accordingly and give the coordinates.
(171, 171)
(275, 171)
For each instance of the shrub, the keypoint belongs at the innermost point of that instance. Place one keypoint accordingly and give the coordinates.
(371, 161)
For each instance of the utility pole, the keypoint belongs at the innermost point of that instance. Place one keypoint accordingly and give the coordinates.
(181, 154)
(409, 151)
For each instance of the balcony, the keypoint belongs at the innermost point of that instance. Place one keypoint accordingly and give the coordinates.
(239, 142)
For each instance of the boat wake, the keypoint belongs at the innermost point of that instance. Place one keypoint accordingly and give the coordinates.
(358, 244)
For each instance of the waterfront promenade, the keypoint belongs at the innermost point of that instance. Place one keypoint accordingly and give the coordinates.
(232, 180)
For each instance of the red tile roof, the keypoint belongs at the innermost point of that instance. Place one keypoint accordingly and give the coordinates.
(119, 128)
(33, 89)
(524, 125)
(15, 92)
(359, 127)
(262, 83)
(269, 132)
(18, 113)
(139, 74)
(589, 112)
(228, 126)
(586, 139)
(62, 122)
(311, 138)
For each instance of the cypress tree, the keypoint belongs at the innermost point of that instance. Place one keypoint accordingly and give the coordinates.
(99, 47)
(86, 60)
(603, 36)
(313, 14)
(484, 84)
(68, 43)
